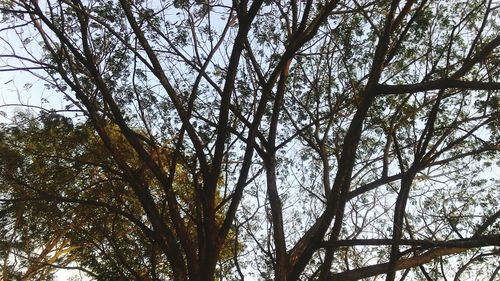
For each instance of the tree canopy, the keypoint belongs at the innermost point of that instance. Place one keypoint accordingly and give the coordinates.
(261, 140)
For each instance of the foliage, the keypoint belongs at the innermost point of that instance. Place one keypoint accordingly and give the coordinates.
(286, 140)
(70, 204)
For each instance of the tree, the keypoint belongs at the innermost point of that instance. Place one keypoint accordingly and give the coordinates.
(66, 166)
(333, 140)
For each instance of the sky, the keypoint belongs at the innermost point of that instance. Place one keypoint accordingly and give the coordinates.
(21, 88)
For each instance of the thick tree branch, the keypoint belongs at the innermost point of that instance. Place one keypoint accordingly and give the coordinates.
(437, 85)
(382, 268)
(479, 241)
